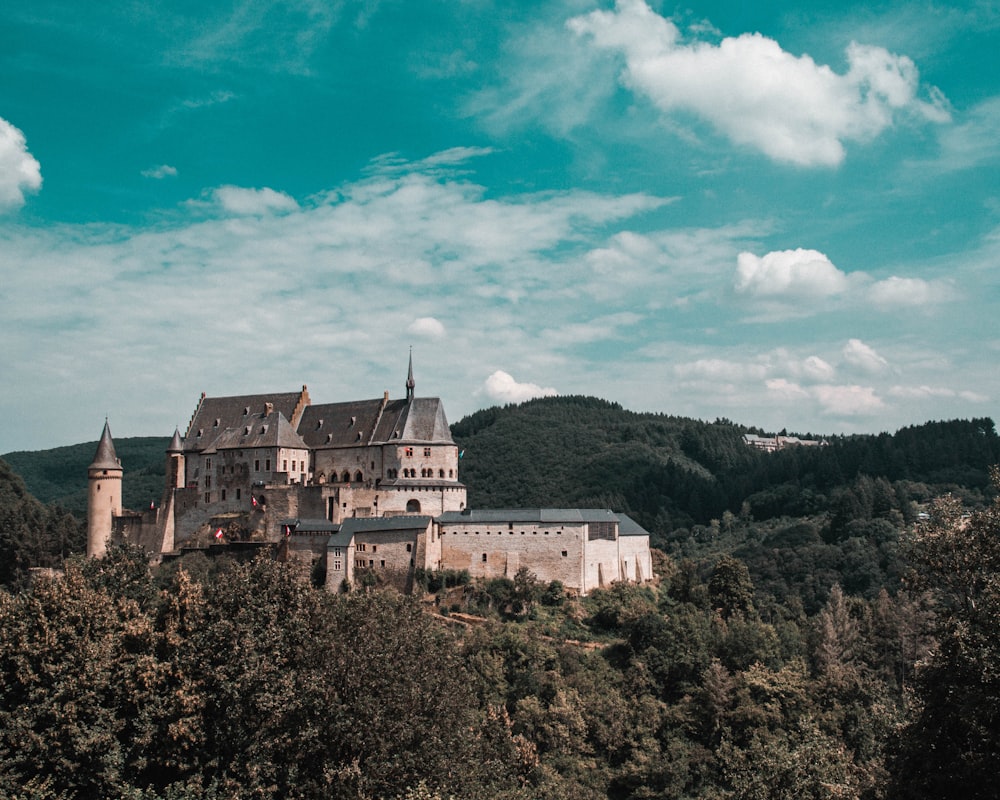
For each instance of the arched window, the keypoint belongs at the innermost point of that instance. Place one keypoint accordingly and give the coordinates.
(440, 473)
(358, 476)
(413, 505)
(347, 477)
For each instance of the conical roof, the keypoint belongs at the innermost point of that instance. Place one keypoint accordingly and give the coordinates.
(105, 457)
(176, 445)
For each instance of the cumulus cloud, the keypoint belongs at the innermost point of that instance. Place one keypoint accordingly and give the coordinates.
(836, 400)
(19, 171)
(427, 327)
(253, 202)
(859, 355)
(792, 273)
(755, 93)
(160, 172)
(501, 387)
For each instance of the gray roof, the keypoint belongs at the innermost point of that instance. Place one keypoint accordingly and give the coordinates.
(364, 422)
(271, 430)
(176, 445)
(552, 515)
(215, 414)
(402, 522)
(311, 525)
(105, 456)
(629, 527)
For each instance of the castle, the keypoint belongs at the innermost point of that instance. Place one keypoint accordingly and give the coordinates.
(349, 489)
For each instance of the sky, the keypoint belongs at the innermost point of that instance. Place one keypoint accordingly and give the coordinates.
(782, 214)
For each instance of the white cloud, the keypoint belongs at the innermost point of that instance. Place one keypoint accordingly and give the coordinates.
(817, 369)
(859, 355)
(933, 392)
(755, 93)
(789, 273)
(253, 202)
(501, 387)
(895, 292)
(162, 171)
(19, 171)
(832, 399)
(427, 327)
(848, 401)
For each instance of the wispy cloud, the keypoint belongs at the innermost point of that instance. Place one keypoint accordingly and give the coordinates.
(160, 172)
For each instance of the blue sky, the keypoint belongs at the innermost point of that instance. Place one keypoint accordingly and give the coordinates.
(784, 214)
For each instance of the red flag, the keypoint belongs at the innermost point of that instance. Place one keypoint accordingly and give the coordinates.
(253, 500)
(218, 534)
(151, 506)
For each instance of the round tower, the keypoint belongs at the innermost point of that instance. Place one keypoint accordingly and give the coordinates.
(175, 462)
(104, 495)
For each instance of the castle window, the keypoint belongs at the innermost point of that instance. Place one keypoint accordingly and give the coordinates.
(208, 481)
(208, 463)
(293, 466)
(450, 474)
(256, 465)
(565, 553)
(374, 548)
(239, 493)
(484, 558)
(408, 452)
(267, 465)
(216, 423)
(409, 548)
(383, 562)
(427, 451)
(413, 505)
(440, 473)
(208, 497)
(246, 410)
(223, 494)
(200, 432)
(246, 431)
(358, 476)
(336, 566)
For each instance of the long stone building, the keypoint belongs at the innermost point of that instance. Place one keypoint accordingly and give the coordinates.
(368, 486)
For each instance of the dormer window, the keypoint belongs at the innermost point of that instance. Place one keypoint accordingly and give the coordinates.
(246, 431)
(353, 420)
(200, 432)
(246, 411)
(319, 424)
(263, 428)
(216, 423)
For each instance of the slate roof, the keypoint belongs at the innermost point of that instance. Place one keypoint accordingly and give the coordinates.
(105, 456)
(215, 414)
(311, 525)
(364, 422)
(272, 430)
(570, 516)
(403, 522)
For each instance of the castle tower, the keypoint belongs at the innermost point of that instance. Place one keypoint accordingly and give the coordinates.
(410, 383)
(104, 495)
(175, 480)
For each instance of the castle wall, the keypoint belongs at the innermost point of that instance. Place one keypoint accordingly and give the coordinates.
(495, 550)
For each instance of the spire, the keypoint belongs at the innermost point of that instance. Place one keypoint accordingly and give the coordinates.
(105, 457)
(410, 383)
(175, 445)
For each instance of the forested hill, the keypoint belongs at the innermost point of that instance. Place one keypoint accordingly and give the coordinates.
(673, 472)
(59, 475)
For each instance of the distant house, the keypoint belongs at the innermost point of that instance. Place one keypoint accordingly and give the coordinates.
(770, 444)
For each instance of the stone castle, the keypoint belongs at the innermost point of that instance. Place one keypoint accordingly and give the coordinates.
(349, 489)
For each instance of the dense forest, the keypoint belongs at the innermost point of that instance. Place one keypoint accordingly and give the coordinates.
(825, 623)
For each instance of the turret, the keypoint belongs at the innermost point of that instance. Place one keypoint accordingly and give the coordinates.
(175, 462)
(104, 494)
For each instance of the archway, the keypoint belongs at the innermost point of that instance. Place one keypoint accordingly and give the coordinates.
(413, 505)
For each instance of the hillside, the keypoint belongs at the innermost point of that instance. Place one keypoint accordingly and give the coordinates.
(59, 475)
(674, 472)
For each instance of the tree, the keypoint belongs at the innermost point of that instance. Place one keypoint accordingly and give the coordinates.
(952, 746)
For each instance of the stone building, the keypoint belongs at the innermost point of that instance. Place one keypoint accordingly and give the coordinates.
(362, 486)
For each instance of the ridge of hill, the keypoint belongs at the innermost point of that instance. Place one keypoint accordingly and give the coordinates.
(669, 472)
(59, 475)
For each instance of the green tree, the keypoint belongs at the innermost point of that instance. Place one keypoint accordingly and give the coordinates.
(952, 746)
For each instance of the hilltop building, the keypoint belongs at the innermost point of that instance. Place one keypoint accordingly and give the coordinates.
(344, 488)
